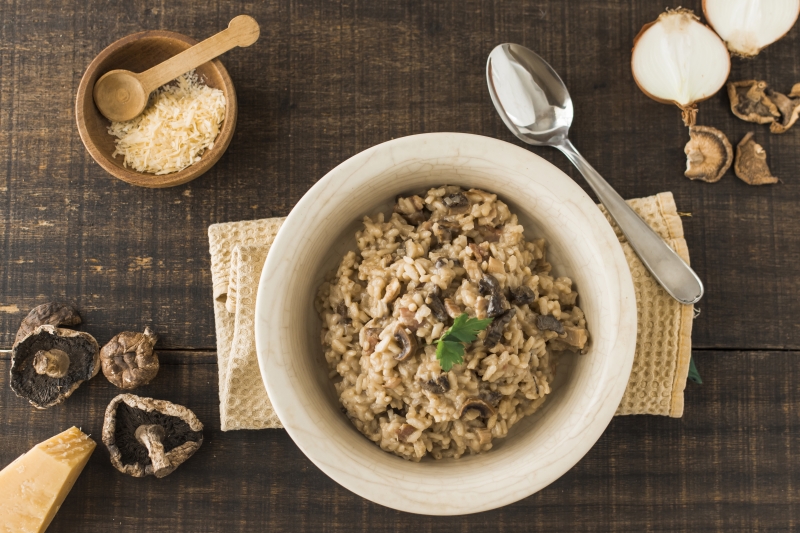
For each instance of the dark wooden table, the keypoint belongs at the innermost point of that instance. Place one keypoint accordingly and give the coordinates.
(325, 81)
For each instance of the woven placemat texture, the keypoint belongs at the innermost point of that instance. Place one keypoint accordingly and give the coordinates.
(239, 250)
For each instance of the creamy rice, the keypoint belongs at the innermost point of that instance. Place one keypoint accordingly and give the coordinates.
(439, 255)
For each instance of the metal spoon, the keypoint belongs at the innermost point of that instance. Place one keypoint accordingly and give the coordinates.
(535, 105)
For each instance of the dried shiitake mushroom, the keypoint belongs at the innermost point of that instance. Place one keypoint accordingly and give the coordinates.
(751, 163)
(749, 101)
(129, 360)
(789, 106)
(53, 314)
(50, 363)
(709, 154)
(149, 437)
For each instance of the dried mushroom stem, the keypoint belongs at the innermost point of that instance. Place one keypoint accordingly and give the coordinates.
(151, 437)
(53, 363)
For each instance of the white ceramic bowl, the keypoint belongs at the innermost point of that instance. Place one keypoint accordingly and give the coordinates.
(315, 236)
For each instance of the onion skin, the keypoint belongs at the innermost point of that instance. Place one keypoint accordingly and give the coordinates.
(740, 53)
(688, 111)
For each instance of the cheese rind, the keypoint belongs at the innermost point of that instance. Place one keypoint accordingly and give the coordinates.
(33, 487)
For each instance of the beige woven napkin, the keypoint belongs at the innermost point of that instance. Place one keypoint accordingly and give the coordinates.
(238, 252)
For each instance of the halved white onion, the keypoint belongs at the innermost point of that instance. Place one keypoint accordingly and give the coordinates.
(678, 60)
(747, 26)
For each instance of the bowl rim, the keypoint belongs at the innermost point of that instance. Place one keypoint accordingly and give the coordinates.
(142, 179)
(363, 479)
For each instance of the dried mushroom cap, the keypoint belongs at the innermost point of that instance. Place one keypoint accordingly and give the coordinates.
(751, 163)
(709, 154)
(750, 102)
(52, 314)
(149, 437)
(50, 363)
(128, 359)
(789, 108)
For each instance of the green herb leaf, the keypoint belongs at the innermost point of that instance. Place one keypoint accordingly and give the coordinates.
(694, 375)
(450, 346)
(465, 329)
(449, 353)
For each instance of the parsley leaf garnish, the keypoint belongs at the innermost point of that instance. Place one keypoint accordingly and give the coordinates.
(449, 353)
(450, 346)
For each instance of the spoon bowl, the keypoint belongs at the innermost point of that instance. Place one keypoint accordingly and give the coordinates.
(541, 108)
(535, 105)
(120, 95)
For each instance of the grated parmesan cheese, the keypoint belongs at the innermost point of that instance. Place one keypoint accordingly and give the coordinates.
(179, 123)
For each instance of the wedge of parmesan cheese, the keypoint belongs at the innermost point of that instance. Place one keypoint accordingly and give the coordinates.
(180, 122)
(34, 486)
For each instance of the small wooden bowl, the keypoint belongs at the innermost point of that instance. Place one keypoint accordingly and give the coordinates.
(137, 53)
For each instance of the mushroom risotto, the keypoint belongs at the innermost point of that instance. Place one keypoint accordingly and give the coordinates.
(440, 256)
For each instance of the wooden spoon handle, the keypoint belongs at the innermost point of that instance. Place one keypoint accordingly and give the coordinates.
(242, 31)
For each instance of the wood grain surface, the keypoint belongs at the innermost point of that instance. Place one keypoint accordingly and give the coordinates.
(326, 80)
(728, 465)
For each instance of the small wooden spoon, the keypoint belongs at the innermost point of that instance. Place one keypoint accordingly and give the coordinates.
(122, 95)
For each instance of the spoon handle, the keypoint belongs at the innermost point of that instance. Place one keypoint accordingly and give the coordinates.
(241, 31)
(677, 278)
